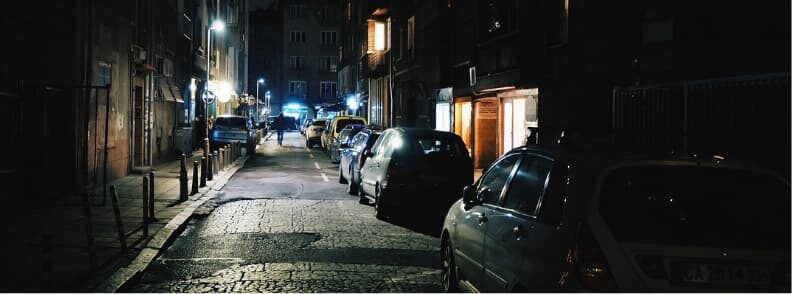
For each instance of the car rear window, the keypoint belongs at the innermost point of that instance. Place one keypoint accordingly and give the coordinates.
(231, 122)
(697, 206)
(318, 123)
(426, 145)
(342, 123)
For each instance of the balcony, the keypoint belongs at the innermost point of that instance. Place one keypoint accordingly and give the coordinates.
(375, 63)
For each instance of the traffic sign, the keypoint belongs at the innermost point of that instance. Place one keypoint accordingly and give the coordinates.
(209, 97)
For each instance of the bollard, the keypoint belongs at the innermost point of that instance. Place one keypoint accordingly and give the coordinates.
(195, 178)
(215, 163)
(204, 172)
(183, 178)
(222, 158)
(230, 155)
(151, 197)
(117, 213)
(145, 205)
(210, 167)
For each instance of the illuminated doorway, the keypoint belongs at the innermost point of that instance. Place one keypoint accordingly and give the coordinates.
(519, 116)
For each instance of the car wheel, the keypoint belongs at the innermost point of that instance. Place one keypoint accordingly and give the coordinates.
(380, 208)
(352, 188)
(450, 281)
(341, 179)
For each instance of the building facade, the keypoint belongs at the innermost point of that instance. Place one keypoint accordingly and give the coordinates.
(309, 64)
(108, 87)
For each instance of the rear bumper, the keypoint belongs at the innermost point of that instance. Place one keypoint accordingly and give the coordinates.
(433, 197)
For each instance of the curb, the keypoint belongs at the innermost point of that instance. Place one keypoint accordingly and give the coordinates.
(158, 242)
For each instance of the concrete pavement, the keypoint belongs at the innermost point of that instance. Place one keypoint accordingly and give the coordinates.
(48, 249)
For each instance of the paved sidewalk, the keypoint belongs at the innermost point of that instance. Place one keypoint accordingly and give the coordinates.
(47, 250)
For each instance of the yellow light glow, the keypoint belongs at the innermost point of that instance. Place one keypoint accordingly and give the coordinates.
(379, 36)
(222, 90)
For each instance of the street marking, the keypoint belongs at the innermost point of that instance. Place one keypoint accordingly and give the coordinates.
(317, 165)
(227, 259)
(324, 177)
(311, 155)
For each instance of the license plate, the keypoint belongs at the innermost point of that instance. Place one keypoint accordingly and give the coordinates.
(724, 274)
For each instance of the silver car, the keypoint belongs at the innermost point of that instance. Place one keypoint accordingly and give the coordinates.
(542, 219)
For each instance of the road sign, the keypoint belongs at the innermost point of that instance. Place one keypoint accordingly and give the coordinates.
(209, 97)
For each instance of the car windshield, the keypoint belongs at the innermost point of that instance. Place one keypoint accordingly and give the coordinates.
(320, 123)
(696, 206)
(429, 145)
(342, 123)
(230, 123)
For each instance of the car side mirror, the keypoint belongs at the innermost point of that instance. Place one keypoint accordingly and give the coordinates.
(469, 196)
(369, 154)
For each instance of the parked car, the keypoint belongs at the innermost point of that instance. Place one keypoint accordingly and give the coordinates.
(336, 125)
(305, 125)
(546, 219)
(313, 134)
(352, 159)
(415, 168)
(342, 142)
(232, 129)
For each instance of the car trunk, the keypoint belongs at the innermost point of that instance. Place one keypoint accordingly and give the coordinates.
(686, 227)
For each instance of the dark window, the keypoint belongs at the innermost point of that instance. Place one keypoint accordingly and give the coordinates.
(345, 122)
(697, 206)
(296, 11)
(552, 208)
(321, 123)
(297, 37)
(492, 183)
(528, 184)
(230, 122)
(328, 38)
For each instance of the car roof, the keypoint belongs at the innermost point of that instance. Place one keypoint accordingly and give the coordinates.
(423, 131)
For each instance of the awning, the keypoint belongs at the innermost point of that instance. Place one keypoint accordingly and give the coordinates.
(177, 93)
(164, 89)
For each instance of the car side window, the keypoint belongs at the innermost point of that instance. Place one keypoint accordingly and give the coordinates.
(378, 147)
(492, 183)
(529, 184)
(358, 141)
(551, 209)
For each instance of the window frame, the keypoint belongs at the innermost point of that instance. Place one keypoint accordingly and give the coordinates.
(333, 86)
(506, 183)
(537, 209)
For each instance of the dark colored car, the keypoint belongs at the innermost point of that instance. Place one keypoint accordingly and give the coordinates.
(342, 142)
(547, 219)
(232, 129)
(415, 168)
(352, 159)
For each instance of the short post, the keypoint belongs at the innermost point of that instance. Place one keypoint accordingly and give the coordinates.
(151, 197)
(216, 163)
(204, 163)
(222, 158)
(230, 155)
(117, 213)
(209, 167)
(195, 178)
(203, 171)
(145, 205)
(183, 178)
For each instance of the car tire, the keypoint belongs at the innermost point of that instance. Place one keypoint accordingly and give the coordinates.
(353, 188)
(449, 274)
(341, 179)
(380, 208)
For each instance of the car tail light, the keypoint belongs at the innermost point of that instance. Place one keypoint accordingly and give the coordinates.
(595, 274)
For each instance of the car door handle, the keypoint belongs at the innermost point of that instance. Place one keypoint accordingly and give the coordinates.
(518, 232)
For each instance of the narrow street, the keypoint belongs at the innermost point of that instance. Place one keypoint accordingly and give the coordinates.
(284, 224)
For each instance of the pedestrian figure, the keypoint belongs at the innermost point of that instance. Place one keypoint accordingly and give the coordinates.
(280, 127)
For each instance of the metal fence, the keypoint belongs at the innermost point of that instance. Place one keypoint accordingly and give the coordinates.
(746, 117)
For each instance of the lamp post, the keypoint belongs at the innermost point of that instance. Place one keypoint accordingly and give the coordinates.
(217, 25)
(258, 114)
(267, 100)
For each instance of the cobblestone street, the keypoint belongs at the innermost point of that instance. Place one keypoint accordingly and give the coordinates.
(277, 226)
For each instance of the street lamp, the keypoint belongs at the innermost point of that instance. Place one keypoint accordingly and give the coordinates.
(267, 100)
(258, 114)
(217, 25)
